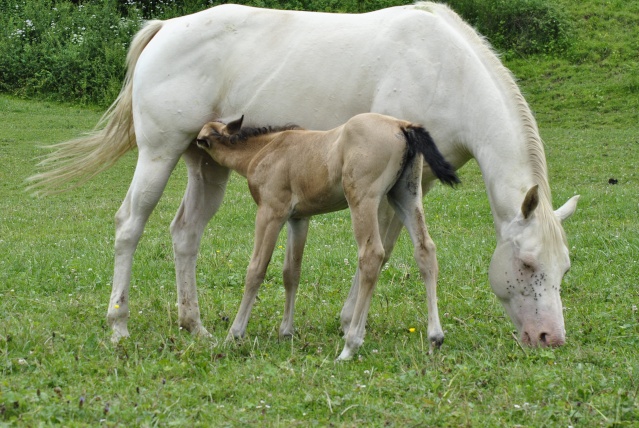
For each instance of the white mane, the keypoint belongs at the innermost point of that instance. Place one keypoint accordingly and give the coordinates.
(534, 144)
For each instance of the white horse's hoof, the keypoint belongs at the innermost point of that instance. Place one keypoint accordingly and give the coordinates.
(436, 341)
(119, 333)
(233, 338)
(201, 333)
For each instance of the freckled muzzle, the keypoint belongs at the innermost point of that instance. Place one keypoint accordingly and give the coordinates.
(544, 337)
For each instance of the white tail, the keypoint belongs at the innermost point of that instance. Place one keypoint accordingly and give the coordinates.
(74, 162)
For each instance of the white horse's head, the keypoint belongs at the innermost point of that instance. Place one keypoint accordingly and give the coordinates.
(527, 268)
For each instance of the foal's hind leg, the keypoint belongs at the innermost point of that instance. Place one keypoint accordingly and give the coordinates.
(149, 180)
(203, 196)
(370, 258)
(295, 241)
(390, 227)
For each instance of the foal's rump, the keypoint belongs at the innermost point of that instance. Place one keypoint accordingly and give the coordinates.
(374, 142)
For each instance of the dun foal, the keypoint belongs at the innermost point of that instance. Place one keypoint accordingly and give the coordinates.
(294, 174)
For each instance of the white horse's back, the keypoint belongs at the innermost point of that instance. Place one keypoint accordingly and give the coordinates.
(314, 69)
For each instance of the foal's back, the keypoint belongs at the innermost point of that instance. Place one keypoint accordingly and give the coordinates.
(306, 172)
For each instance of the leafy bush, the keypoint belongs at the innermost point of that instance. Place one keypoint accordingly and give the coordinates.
(522, 27)
(75, 51)
(64, 51)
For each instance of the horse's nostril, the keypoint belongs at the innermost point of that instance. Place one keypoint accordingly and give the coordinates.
(543, 339)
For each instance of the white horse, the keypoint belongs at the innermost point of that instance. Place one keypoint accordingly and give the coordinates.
(420, 62)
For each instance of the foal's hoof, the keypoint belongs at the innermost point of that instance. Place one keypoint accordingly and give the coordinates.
(286, 334)
(346, 355)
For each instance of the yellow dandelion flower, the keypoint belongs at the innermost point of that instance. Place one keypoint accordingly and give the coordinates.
(411, 330)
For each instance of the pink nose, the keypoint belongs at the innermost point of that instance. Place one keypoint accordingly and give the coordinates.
(543, 339)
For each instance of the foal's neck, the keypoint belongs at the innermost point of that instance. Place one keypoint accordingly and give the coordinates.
(238, 155)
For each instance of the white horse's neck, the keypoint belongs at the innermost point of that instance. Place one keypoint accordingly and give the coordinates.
(509, 152)
(509, 173)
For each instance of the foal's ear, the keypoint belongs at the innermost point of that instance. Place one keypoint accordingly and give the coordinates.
(530, 201)
(235, 126)
(203, 143)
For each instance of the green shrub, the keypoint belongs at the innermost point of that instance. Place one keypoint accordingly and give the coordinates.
(521, 27)
(64, 51)
(75, 51)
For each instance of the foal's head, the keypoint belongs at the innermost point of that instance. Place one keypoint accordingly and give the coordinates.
(217, 132)
(231, 133)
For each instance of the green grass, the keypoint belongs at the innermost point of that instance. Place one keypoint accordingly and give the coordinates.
(58, 367)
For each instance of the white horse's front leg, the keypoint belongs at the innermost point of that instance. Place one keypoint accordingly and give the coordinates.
(203, 196)
(296, 239)
(390, 227)
(408, 207)
(267, 228)
(426, 258)
(149, 180)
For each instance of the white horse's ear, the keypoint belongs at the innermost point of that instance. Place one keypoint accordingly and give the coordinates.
(235, 126)
(567, 209)
(530, 201)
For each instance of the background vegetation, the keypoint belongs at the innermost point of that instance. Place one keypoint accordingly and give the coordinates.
(75, 52)
(57, 366)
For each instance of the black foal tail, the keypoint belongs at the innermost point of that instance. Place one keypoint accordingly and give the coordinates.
(419, 140)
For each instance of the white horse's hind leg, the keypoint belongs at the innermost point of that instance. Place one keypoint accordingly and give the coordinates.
(202, 199)
(406, 199)
(149, 180)
(390, 226)
(296, 239)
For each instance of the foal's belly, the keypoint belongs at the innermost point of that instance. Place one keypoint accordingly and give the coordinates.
(313, 203)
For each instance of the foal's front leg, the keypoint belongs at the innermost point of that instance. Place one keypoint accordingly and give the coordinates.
(295, 241)
(267, 228)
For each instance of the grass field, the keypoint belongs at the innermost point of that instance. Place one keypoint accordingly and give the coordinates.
(57, 365)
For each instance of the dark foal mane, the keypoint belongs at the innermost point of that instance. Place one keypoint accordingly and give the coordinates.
(251, 132)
